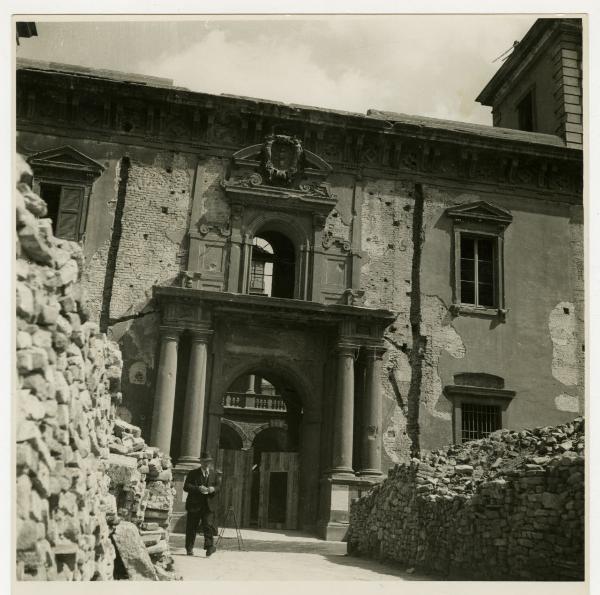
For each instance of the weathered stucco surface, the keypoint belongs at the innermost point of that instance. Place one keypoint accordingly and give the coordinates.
(561, 324)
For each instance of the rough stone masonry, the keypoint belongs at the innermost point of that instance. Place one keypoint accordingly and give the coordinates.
(74, 503)
(507, 507)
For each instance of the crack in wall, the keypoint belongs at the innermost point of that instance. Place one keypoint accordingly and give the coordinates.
(137, 315)
(115, 240)
(419, 341)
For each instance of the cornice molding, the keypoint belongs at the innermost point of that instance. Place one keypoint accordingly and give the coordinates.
(116, 111)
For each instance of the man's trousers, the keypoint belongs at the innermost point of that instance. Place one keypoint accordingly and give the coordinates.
(194, 519)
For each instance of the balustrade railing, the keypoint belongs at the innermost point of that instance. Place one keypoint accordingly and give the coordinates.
(254, 401)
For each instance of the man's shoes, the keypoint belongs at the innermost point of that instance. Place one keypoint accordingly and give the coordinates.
(189, 552)
(210, 550)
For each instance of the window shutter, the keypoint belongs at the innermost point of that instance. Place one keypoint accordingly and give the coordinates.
(71, 200)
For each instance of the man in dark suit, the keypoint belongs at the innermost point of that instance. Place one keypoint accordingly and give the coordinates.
(202, 485)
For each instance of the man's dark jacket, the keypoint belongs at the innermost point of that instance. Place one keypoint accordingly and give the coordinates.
(195, 500)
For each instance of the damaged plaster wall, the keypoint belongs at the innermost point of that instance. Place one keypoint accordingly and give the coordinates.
(209, 204)
(562, 326)
(441, 336)
(155, 222)
(386, 219)
(537, 349)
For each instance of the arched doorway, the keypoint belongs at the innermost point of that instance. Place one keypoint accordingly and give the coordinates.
(258, 452)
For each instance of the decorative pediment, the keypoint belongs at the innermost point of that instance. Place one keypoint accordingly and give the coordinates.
(480, 211)
(282, 158)
(280, 169)
(63, 159)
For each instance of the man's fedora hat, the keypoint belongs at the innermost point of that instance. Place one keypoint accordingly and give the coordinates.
(205, 456)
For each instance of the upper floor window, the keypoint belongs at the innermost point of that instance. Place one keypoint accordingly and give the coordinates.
(63, 177)
(261, 273)
(526, 112)
(272, 266)
(65, 209)
(479, 258)
(477, 271)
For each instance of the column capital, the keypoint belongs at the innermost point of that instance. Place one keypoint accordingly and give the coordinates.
(374, 351)
(201, 334)
(170, 332)
(346, 347)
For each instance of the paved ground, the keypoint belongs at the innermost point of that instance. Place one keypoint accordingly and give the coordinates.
(280, 555)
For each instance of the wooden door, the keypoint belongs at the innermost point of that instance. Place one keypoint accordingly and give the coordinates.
(236, 466)
(278, 496)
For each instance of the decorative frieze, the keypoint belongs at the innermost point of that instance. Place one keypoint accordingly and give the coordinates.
(347, 140)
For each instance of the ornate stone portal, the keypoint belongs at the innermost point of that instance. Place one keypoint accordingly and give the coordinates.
(324, 343)
(228, 334)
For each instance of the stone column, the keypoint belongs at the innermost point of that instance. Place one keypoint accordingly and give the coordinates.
(193, 414)
(343, 417)
(246, 263)
(251, 385)
(372, 409)
(164, 397)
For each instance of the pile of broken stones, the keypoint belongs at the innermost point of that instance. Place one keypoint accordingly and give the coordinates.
(460, 468)
(93, 501)
(141, 481)
(507, 507)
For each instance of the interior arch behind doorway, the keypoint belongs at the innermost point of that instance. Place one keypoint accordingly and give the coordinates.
(277, 438)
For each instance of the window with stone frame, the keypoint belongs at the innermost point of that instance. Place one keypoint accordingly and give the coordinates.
(478, 268)
(478, 256)
(64, 177)
(480, 404)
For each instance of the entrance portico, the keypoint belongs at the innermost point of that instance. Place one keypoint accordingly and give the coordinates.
(312, 347)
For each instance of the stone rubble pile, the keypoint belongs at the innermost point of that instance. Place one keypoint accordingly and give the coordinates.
(507, 507)
(83, 477)
(142, 483)
(65, 402)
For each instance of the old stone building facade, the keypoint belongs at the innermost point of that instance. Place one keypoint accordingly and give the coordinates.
(315, 295)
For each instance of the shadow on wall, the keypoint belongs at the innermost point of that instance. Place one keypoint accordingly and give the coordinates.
(138, 340)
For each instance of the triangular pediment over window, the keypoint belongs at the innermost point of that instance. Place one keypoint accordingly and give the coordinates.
(65, 158)
(480, 211)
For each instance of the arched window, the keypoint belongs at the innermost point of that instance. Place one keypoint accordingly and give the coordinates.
(272, 271)
(261, 272)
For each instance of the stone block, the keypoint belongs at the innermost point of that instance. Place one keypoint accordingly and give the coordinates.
(133, 552)
(25, 302)
(34, 243)
(27, 534)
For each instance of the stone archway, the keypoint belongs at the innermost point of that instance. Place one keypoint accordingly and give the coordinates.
(268, 462)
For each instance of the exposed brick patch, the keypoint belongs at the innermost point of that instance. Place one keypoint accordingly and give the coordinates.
(155, 221)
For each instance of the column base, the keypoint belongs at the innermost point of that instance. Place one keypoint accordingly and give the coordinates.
(188, 462)
(333, 531)
(338, 490)
(178, 521)
(342, 472)
(366, 473)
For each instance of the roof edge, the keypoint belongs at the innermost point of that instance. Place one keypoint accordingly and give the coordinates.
(526, 47)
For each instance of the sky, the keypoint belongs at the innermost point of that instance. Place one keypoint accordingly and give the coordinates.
(427, 65)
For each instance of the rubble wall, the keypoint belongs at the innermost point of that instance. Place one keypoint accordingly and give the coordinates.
(508, 507)
(67, 383)
(85, 480)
